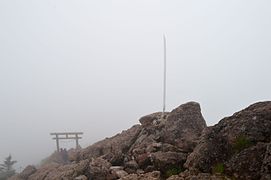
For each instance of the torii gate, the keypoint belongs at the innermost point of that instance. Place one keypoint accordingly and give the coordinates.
(67, 135)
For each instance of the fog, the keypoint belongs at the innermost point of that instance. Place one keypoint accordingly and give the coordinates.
(97, 66)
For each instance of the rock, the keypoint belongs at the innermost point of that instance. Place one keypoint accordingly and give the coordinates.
(131, 166)
(175, 177)
(168, 161)
(236, 145)
(150, 119)
(82, 177)
(57, 157)
(177, 132)
(196, 175)
(28, 171)
(143, 160)
(266, 165)
(99, 169)
(115, 158)
(184, 126)
(116, 168)
(112, 148)
(139, 171)
(121, 173)
(73, 155)
(130, 177)
(155, 175)
(117, 171)
(248, 163)
(212, 149)
(57, 171)
(44, 171)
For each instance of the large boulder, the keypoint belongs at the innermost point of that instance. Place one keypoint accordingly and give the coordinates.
(176, 133)
(168, 161)
(237, 145)
(184, 126)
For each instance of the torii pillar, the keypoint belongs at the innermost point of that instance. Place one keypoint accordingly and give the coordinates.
(66, 135)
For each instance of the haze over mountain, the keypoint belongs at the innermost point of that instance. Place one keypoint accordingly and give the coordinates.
(96, 66)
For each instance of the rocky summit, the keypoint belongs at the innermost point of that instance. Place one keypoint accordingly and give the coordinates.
(176, 146)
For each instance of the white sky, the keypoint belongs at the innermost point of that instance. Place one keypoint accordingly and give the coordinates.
(96, 66)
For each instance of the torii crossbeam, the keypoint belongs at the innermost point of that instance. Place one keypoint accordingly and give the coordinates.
(66, 135)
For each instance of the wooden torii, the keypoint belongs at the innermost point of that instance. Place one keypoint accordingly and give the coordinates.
(66, 135)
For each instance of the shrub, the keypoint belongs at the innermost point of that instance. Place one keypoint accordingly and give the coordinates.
(241, 142)
(174, 170)
(218, 168)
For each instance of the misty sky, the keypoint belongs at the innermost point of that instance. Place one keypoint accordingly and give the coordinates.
(96, 66)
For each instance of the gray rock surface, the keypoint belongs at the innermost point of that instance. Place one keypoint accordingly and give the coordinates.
(238, 143)
(177, 146)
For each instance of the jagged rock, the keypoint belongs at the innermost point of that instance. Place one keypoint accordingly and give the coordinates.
(27, 172)
(43, 171)
(121, 173)
(81, 177)
(115, 168)
(201, 176)
(57, 171)
(99, 169)
(57, 157)
(112, 148)
(184, 126)
(139, 171)
(165, 161)
(143, 160)
(150, 168)
(177, 132)
(130, 177)
(155, 175)
(115, 158)
(234, 143)
(117, 171)
(131, 166)
(196, 175)
(266, 165)
(73, 155)
(175, 177)
(238, 147)
(150, 119)
(247, 164)
(152, 175)
(212, 149)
